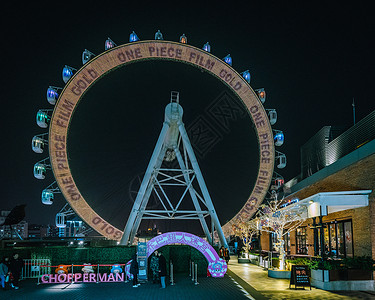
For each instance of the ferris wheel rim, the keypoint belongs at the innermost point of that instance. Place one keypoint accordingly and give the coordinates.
(80, 82)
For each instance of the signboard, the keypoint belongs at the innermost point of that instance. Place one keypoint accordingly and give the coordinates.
(142, 261)
(300, 276)
(35, 268)
(79, 277)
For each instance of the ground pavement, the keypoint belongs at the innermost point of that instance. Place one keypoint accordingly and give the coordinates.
(242, 281)
(208, 288)
(256, 282)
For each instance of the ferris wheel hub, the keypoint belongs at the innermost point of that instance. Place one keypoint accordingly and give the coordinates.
(173, 116)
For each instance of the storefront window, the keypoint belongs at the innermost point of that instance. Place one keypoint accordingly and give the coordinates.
(273, 241)
(348, 239)
(332, 229)
(301, 237)
(318, 241)
(287, 243)
(338, 239)
(326, 241)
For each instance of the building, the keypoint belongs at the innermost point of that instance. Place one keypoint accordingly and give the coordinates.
(37, 231)
(18, 231)
(337, 188)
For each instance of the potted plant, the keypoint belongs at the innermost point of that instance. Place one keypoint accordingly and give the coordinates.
(336, 270)
(360, 267)
(347, 269)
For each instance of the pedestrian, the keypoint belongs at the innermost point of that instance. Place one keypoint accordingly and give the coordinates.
(239, 252)
(221, 252)
(134, 270)
(6, 261)
(162, 269)
(154, 266)
(3, 272)
(226, 255)
(15, 267)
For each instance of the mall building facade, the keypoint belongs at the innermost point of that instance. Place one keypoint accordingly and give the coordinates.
(337, 187)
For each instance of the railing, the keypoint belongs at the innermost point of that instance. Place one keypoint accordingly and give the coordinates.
(171, 273)
(32, 267)
(71, 270)
(194, 272)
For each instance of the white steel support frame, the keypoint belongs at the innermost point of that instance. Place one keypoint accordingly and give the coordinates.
(156, 179)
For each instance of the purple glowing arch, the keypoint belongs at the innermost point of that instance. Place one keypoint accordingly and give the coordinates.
(216, 266)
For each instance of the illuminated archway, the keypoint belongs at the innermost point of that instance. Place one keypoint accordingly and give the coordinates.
(216, 265)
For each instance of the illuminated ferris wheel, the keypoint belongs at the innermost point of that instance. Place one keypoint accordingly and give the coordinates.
(77, 81)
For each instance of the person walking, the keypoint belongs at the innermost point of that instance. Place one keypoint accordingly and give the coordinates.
(3, 272)
(226, 255)
(134, 268)
(239, 252)
(154, 266)
(221, 252)
(15, 267)
(162, 269)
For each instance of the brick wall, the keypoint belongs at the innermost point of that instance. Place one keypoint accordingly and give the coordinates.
(358, 176)
(363, 221)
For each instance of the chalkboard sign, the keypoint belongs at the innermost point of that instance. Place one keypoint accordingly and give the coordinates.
(299, 276)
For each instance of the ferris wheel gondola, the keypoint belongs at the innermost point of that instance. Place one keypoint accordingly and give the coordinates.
(48, 194)
(272, 115)
(43, 118)
(86, 56)
(39, 142)
(133, 37)
(246, 75)
(183, 39)
(67, 73)
(41, 167)
(261, 94)
(278, 137)
(53, 94)
(207, 47)
(280, 160)
(109, 44)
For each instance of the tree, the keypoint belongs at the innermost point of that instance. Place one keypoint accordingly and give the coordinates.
(275, 217)
(245, 230)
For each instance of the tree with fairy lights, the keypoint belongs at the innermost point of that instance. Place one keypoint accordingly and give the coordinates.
(276, 217)
(246, 230)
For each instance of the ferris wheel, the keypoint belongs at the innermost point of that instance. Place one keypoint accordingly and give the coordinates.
(77, 81)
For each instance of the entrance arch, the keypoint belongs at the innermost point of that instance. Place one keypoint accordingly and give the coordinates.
(216, 265)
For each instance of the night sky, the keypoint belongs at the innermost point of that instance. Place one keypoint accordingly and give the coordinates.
(311, 59)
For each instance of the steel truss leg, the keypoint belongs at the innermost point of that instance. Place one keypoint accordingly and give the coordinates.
(192, 195)
(202, 184)
(129, 228)
(146, 197)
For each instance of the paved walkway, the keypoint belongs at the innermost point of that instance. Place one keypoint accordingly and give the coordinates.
(208, 288)
(242, 281)
(255, 280)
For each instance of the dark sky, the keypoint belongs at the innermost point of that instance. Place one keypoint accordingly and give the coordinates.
(312, 59)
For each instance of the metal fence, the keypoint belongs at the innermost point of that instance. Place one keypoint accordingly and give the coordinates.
(32, 267)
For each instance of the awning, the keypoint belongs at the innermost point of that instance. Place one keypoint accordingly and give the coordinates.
(322, 204)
